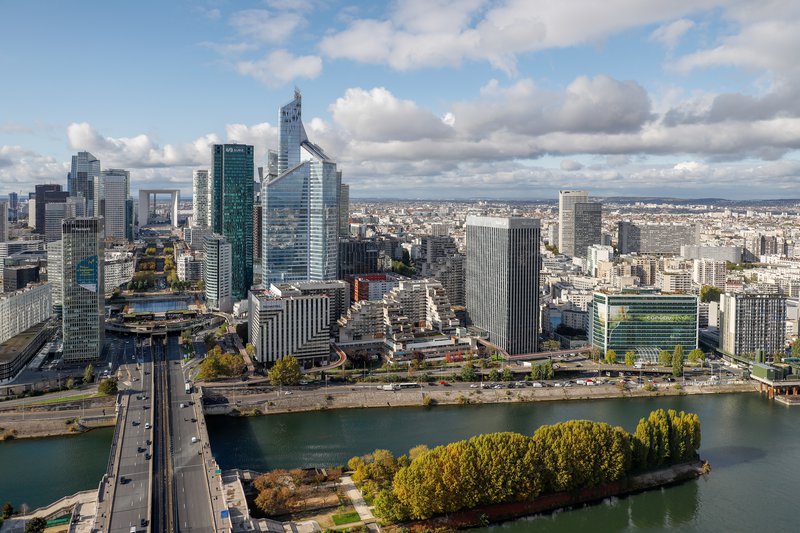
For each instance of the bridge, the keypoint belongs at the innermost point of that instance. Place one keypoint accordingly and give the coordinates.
(161, 475)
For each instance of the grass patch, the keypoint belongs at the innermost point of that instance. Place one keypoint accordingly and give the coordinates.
(345, 518)
(64, 399)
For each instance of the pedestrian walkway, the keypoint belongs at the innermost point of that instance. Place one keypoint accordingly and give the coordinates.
(356, 499)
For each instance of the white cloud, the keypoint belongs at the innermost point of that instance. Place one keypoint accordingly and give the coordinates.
(425, 33)
(377, 115)
(670, 34)
(280, 67)
(570, 165)
(266, 26)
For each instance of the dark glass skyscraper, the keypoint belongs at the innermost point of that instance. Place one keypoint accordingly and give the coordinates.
(232, 209)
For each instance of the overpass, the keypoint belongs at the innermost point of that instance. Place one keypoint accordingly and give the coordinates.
(161, 474)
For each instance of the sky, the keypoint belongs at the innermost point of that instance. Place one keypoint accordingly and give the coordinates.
(415, 99)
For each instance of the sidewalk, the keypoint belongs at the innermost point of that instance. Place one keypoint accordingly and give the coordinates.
(358, 502)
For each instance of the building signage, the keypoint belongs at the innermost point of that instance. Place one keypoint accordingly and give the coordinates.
(86, 273)
(235, 149)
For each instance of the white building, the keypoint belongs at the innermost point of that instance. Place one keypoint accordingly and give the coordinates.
(190, 267)
(597, 253)
(118, 270)
(22, 309)
(674, 281)
(290, 324)
(217, 274)
(709, 272)
(55, 267)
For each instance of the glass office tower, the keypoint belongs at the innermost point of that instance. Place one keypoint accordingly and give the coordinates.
(300, 208)
(232, 210)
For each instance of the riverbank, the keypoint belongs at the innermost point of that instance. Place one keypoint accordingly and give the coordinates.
(483, 516)
(363, 396)
(61, 417)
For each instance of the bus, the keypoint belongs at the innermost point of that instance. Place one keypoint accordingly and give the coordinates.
(408, 385)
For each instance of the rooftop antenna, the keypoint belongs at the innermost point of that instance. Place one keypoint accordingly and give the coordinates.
(296, 92)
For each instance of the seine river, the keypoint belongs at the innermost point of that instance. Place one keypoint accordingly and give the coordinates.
(753, 446)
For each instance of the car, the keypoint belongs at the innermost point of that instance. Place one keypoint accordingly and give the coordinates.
(194, 440)
(473, 386)
(288, 392)
(135, 423)
(139, 449)
(147, 425)
(124, 480)
(183, 405)
(147, 456)
(193, 420)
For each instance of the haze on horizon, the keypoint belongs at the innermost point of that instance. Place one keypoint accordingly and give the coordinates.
(439, 99)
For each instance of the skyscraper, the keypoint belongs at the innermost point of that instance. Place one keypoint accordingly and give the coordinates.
(502, 280)
(3, 221)
(217, 276)
(55, 213)
(45, 194)
(13, 206)
(83, 288)
(55, 266)
(82, 179)
(300, 207)
(344, 209)
(750, 322)
(116, 190)
(587, 227)
(201, 199)
(566, 219)
(232, 209)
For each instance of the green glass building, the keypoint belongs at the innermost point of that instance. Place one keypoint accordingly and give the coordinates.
(645, 321)
(232, 210)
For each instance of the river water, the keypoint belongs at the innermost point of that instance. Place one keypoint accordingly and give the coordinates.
(753, 446)
(38, 472)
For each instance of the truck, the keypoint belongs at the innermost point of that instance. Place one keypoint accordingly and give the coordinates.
(188, 387)
(388, 387)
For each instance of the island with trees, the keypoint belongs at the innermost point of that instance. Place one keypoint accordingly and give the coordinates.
(500, 476)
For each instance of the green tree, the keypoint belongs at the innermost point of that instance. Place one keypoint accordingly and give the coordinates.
(677, 361)
(35, 525)
(507, 375)
(468, 373)
(551, 345)
(108, 386)
(664, 358)
(88, 373)
(494, 375)
(709, 293)
(697, 356)
(285, 371)
(630, 357)
(796, 348)
(596, 354)
(8, 509)
(611, 357)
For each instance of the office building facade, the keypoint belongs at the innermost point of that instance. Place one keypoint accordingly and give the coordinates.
(46, 194)
(218, 273)
(663, 239)
(232, 209)
(344, 209)
(750, 322)
(644, 321)
(201, 199)
(83, 179)
(709, 272)
(502, 280)
(587, 227)
(3, 221)
(300, 208)
(83, 288)
(566, 219)
(116, 192)
(24, 308)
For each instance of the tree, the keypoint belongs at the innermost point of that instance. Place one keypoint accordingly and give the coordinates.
(8, 509)
(88, 374)
(697, 356)
(507, 375)
(677, 361)
(250, 349)
(468, 373)
(709, 293)
(596, 354)
(494, 375)
(664, 358)
(70, 382)
(551, 345)
(611, 357)
(286, 371)
(108, 386)
(630, 357)
(35, 525)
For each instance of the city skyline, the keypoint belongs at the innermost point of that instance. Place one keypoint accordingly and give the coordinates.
(450, 100)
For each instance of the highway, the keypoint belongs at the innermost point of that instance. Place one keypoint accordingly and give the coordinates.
(132, 490)
(192, 499)
(163, 510)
